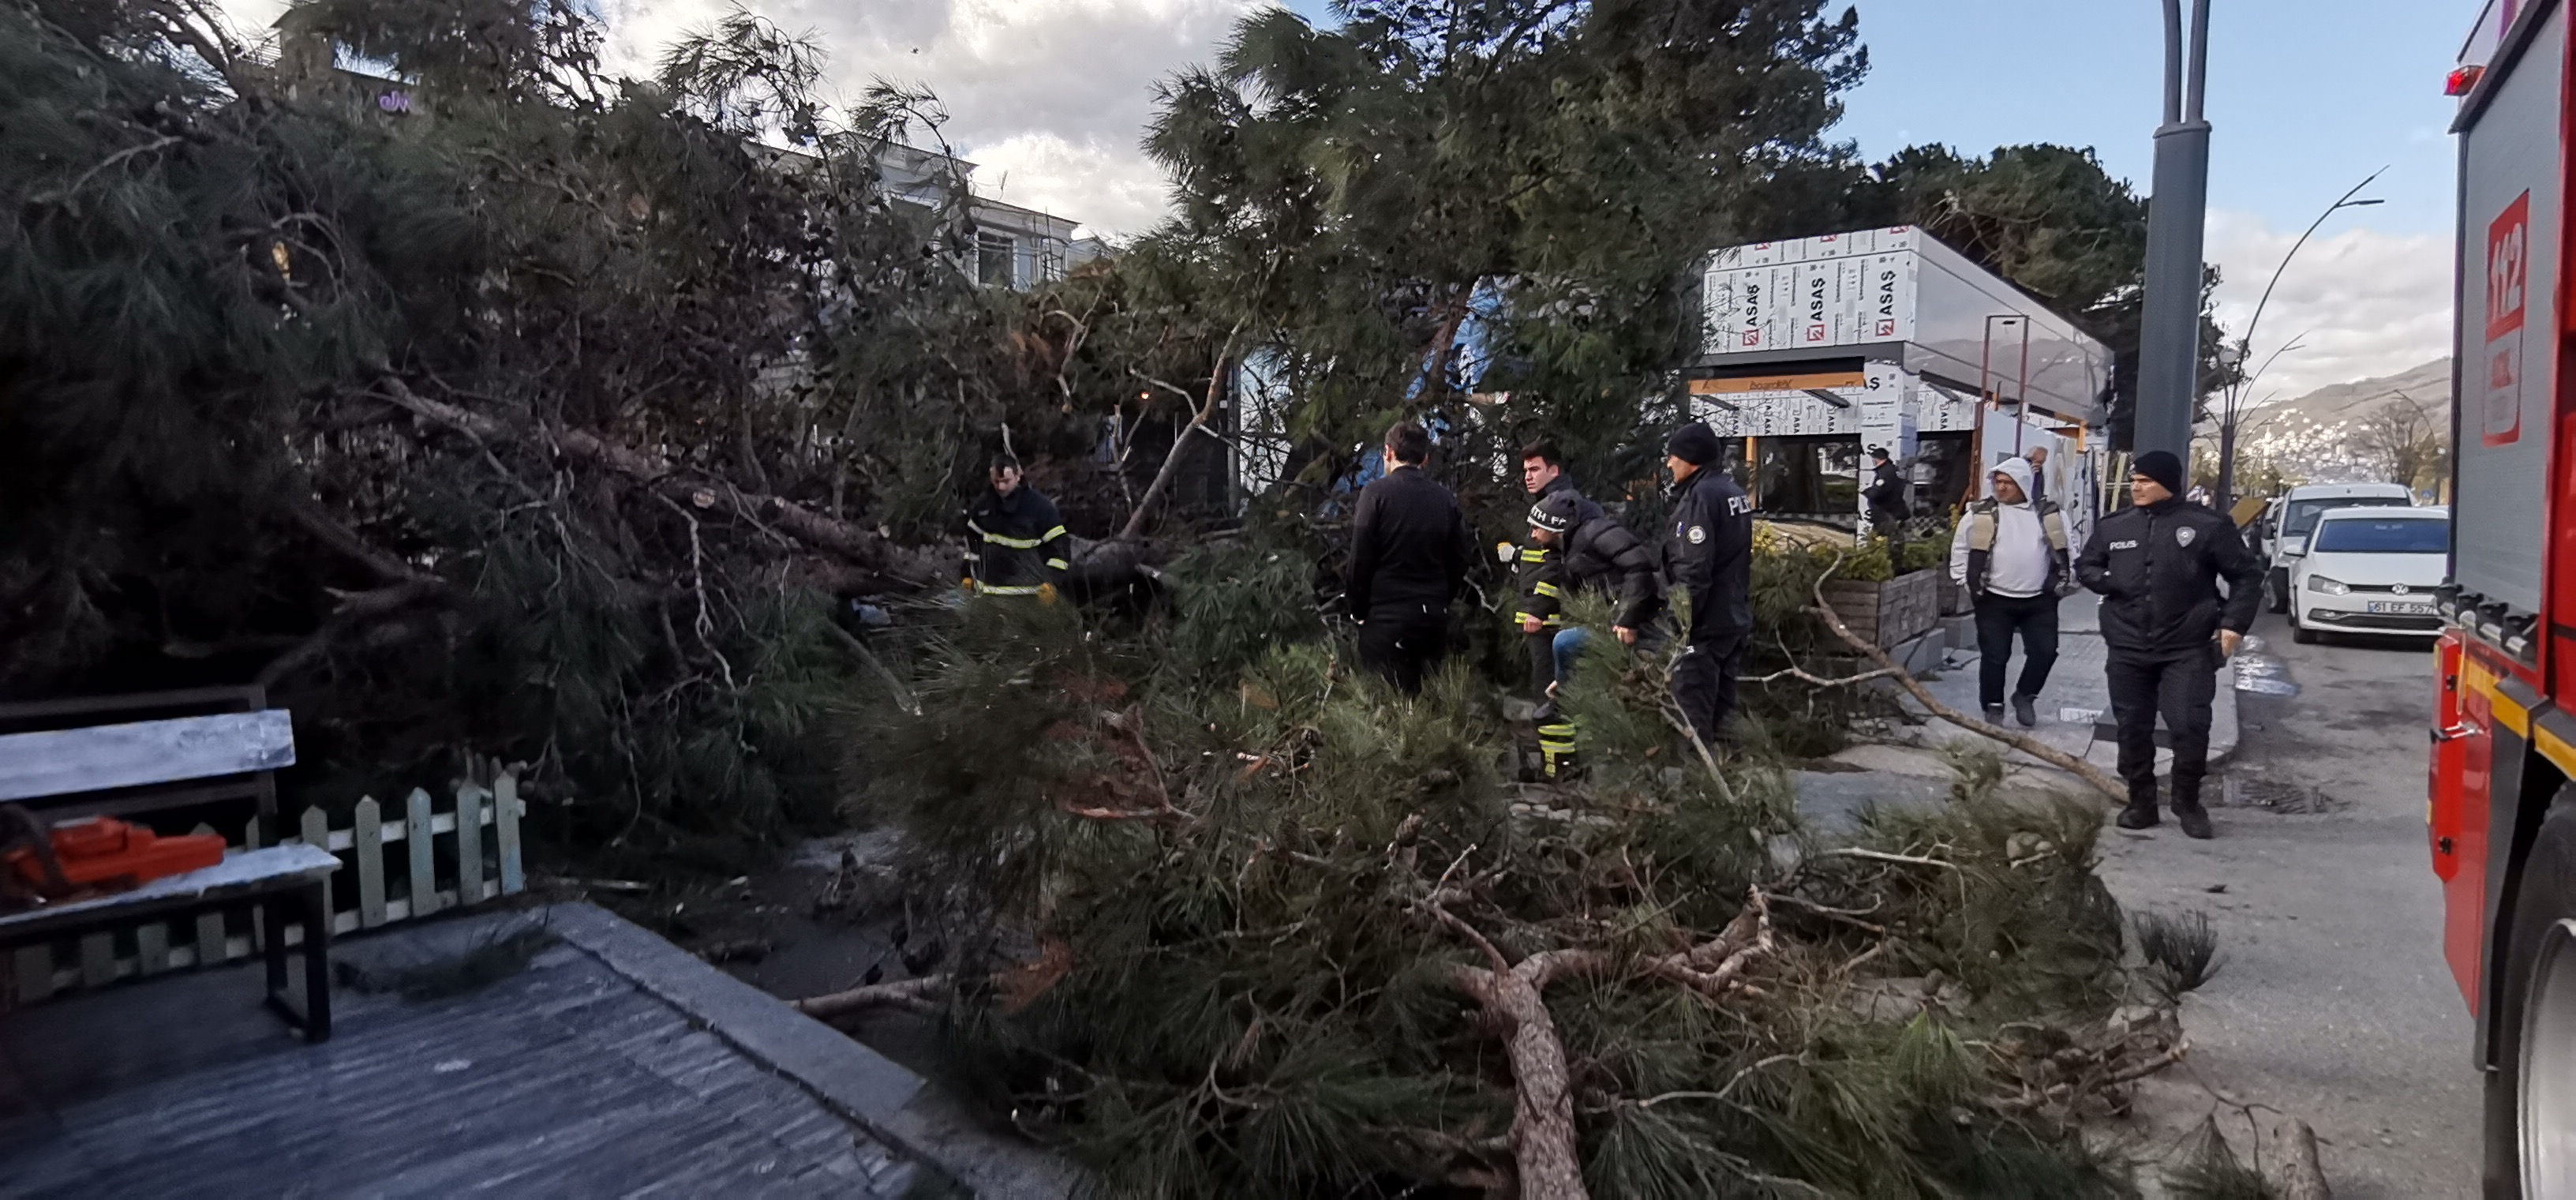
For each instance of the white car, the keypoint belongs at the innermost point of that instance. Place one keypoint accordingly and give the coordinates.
(2370, 570)
(2291, 517)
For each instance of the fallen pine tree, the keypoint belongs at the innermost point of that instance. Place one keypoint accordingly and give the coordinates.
(1278, 932)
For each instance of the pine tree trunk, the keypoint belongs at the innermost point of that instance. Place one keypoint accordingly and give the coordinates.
(1544, 1149)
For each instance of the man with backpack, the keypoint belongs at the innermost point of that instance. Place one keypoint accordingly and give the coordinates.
(2011, 552)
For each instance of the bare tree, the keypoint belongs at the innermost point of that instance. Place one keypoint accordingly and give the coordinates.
(2402, 442)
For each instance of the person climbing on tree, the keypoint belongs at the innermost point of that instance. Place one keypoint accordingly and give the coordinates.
(1016, 543)
(1594, 553)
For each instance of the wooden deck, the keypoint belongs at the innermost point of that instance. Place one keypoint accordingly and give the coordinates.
(573, 1076)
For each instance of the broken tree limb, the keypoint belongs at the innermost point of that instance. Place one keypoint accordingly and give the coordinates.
(913, 994)
(1171, 467)
(2302, 1177)
(2028, 745)
(1545, 1150)
(865, 547)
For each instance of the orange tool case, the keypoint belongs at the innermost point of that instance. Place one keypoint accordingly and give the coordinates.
(103, 851)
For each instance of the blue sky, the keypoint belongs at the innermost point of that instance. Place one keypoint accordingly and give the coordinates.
(2305, 96)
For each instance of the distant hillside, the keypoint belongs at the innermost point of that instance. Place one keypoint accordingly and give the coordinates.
(2428, 385)
(2327, 436)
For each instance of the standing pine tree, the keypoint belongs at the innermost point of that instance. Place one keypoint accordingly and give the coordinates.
(1429, 200)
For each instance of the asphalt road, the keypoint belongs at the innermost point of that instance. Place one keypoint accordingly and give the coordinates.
(2334, 1004)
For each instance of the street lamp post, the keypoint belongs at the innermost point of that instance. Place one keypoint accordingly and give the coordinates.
(1988, 401)
(2231, 408)
(2169, 327)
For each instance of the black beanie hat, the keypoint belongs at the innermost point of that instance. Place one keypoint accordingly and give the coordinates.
(1694, 443)
(2163, 466)
(1554, 512)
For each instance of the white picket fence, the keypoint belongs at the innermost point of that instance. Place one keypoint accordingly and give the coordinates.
(397, 863)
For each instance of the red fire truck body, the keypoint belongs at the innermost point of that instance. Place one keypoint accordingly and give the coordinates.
(2502, 814)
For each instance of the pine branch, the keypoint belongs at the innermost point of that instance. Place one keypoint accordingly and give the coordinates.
(1180, 445)
(2027, 745)
(1545, 1149)
(863, 546)
(326, 529)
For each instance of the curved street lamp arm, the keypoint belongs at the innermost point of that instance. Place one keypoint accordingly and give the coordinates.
(2341, 201)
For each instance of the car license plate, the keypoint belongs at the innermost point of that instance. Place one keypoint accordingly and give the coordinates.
(2398, 608)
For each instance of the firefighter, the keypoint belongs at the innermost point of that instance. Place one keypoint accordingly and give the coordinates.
(1016, 544)
(1586, 553)
(1409, 555)
(2158, 565)
(1708, 554)
(1542, 475)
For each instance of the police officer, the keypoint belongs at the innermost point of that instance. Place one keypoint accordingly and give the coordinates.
(1534, 576)
(1708, 553)
(1015, 540)
(1886, 496)
(2157, 565)
(1409, 554)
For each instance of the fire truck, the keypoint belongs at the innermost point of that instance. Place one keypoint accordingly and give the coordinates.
(2502, 811)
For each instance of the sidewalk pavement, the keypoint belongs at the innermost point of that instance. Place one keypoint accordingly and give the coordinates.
(2075, 707)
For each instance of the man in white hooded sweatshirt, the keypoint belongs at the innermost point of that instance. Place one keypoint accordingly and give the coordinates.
(2011, 554)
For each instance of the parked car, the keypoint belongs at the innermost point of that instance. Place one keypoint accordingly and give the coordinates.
(2371, 570)
(2292, 517)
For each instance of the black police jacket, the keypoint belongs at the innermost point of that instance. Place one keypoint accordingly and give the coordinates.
(2158, 566)
(1886, 494)
(1016, 542)
(1708, 552)
(1409, 545)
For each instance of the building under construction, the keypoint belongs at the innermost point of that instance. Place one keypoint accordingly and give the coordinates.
(1817, 350)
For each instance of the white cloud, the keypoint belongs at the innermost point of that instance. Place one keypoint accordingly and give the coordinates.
(1048, 97)
(1053, 94)
(2360, 302)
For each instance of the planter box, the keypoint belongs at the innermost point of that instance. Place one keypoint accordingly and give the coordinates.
(1954, 597)
(1885, 614)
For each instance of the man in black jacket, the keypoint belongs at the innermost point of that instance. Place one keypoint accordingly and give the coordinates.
(1708, 554)
(2158, 565)
(1886, 496)
(1409, 556)
(1535, 574)
(1015, 539)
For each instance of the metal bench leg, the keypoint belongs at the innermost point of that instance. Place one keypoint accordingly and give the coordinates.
(317, 962)
(272, 936)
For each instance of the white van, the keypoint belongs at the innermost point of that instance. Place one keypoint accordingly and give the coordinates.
(2292, 517)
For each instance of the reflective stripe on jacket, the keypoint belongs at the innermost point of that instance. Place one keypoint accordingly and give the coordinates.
(1016, 542)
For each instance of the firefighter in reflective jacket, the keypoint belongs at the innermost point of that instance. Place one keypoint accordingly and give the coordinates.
(1015, 541)
(1594, 552)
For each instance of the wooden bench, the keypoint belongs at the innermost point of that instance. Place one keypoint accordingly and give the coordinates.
(154, 755)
